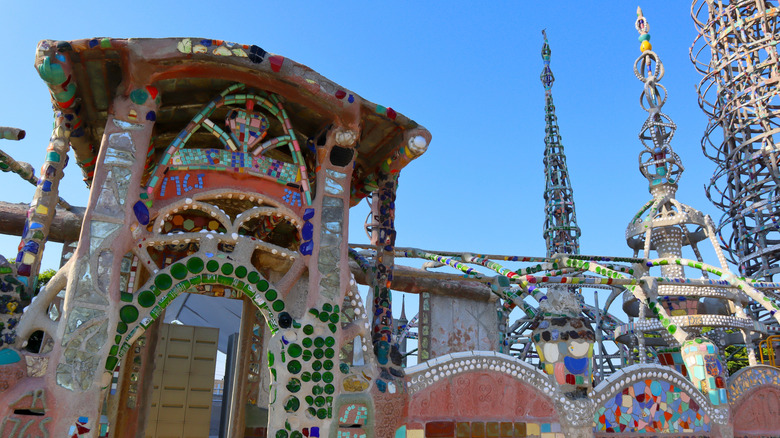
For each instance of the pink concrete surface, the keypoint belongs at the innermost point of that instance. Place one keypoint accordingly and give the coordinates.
(759, 413)
(481, 395)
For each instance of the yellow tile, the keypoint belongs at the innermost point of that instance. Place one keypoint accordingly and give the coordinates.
(532, 429)
(415, 433)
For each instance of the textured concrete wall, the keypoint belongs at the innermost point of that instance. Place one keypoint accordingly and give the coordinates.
(462, 325)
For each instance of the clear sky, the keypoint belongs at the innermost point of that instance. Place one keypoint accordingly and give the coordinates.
(468, 71)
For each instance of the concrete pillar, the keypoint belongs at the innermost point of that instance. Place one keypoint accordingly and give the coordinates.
(92, 305)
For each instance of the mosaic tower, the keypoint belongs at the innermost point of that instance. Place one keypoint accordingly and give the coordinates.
(737, 54)
(662, 225)
(561, 309)
(561, 233)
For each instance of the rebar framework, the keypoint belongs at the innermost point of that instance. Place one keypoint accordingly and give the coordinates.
(561, 233)
(737, 54)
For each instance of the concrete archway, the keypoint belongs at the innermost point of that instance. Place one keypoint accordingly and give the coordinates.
(185, 275)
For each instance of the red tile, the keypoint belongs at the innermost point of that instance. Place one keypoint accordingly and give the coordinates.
(440, 429)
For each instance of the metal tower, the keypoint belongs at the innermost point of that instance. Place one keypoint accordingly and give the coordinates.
(737, 54)
(561, 233)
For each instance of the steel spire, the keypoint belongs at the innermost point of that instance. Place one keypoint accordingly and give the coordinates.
(561, 233)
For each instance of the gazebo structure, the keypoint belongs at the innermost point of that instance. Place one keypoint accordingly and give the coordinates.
(214, 168)
(223, 170)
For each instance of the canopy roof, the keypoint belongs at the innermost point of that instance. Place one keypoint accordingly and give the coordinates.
(188, 72)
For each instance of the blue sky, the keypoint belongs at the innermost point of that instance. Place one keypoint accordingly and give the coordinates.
(466, 71)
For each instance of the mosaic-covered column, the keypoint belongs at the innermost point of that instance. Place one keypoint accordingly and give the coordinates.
(705, 369)
(303, 358)
(92, 302)
(20, 280)
(424, 328)
(54, 68)
(45, 199)
(383, 238)
(389, 394)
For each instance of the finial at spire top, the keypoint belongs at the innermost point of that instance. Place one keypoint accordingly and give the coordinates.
(643, 27)
(658, 162)
(547, 75)
(546, 52)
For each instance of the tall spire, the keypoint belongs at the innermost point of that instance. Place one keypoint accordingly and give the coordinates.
(658, 162)
(736, 51)
(561, 233)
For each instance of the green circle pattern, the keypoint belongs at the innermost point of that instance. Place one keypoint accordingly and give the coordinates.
(129, 314)
(295, 350)
(227, 268)
(163, 281)
(146, 299)
(294, 385)
(179, 271)
(294, 367)
(195, 265)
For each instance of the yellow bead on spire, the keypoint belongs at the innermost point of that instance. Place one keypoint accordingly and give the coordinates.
(643, 28)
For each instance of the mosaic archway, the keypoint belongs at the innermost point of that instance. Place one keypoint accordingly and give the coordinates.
(202, 268)
(754, 394)
(648, 398)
